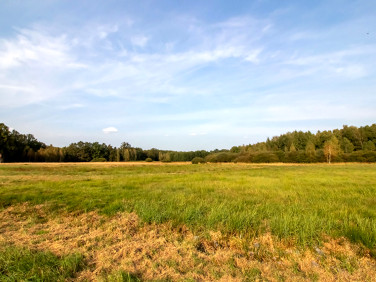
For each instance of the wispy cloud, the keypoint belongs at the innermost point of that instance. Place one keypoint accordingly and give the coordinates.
(139, 41)
(32, 47)
(199, 77)
(109, 130)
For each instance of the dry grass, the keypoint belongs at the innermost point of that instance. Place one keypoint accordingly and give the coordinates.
(152, 252)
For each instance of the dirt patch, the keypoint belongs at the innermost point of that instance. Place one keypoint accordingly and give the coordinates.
(154, 252)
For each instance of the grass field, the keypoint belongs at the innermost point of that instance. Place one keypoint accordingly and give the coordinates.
(118, 221)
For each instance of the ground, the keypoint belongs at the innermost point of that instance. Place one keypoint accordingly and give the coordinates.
(188, 222)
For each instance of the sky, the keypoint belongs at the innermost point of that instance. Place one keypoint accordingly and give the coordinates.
(185, 75)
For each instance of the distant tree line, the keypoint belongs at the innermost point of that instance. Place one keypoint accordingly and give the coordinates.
(16, 147)
(349, 144)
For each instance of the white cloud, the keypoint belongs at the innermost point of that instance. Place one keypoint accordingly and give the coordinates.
(253, 56)
(204, 80)
(31, 65)
(139, 41)
(33, 47)
(103, 31)
(109, 130)
(73, 106)
(343, 63)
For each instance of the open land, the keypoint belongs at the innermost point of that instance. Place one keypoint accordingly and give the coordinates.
(178, 221)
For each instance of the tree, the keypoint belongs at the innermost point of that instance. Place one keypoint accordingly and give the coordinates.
(310, 151)
(292, 148)
(369, 146)
(331, 148)
(353, 134)
(235, 149)
(346, 145)
(4, 136)
(125, 145)
(126, 155)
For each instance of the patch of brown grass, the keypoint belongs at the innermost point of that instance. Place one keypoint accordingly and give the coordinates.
(154, 252)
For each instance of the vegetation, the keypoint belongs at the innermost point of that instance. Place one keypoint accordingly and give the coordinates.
(165, 221)
(295, 201)
(20, 264)
(349, 144)
(171, 221)
(198, 160)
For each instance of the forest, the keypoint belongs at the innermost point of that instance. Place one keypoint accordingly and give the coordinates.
(349, 144)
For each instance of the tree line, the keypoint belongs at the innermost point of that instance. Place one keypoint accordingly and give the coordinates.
(17, 147)
(349, 144)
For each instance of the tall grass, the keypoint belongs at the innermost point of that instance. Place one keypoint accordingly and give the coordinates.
(300, 202)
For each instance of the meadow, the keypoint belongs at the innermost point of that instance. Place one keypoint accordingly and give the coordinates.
(138, 221)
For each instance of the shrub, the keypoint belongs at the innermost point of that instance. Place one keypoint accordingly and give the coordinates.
(246, 158)
(265, 157)
(198, 160)
(360, 156)
(211, 158)
(221, 157)
(99, 160)
(149, 160)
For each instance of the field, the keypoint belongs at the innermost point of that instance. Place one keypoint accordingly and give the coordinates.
(139, 221)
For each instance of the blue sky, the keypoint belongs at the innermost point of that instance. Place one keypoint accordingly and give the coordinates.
(185, 75)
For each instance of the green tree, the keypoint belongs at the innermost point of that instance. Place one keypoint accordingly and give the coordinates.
(126, 155)
(346, 145)
(369, 146)
(331, 148)
(292, 148)
(353, 134)
(310, 151)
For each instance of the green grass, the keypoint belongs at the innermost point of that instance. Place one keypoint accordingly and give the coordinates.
(300, 202)
(19, 264)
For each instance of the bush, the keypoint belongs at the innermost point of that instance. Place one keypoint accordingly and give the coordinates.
(245, 158)
(149, 160)
(265, 157)
(198, 160)
(360, 156)
(99, 160)
(221, 157)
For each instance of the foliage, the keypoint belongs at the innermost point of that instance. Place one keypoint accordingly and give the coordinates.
(99, 160)
(346, 144)
(223, 157)
(18, 264)
(331, 148)
(148, 160)
(198, 160)
(16, 147)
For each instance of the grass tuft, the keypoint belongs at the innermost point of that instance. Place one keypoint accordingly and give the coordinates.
(21, 264)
